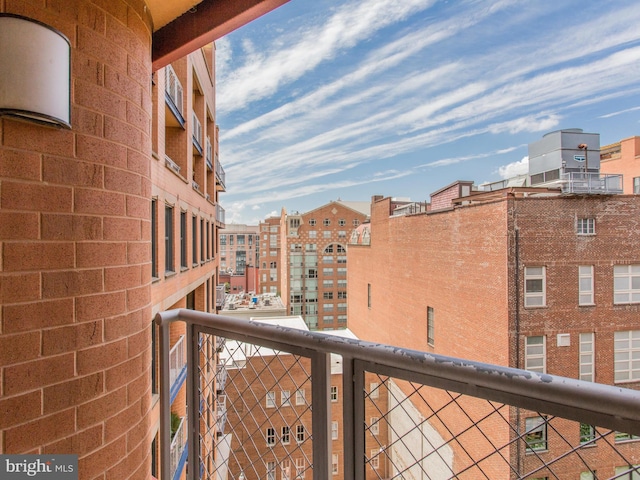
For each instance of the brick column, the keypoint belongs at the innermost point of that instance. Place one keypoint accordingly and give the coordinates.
(75, 340)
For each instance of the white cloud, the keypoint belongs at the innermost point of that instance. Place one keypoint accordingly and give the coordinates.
(350, 24)
(514, 169)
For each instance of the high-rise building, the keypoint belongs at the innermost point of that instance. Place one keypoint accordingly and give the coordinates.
(534, 278)
(270, 270)
(313, 259)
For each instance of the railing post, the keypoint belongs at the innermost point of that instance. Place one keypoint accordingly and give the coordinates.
(349, 432)
(321, 414)
(358, 419)
(165, 405)
(193, 407)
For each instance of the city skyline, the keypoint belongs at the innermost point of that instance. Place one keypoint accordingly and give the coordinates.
(327, 101)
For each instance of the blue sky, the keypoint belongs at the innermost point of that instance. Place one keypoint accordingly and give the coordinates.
(324, 100)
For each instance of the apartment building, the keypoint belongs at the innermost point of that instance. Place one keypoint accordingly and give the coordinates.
(533, 278)
(267, 409)
(314, 253)
(186, 215)
(105, 221)
(623, 157)
(239, 247)
(270, 271)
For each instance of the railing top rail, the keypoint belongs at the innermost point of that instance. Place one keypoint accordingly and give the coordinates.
(606, 405)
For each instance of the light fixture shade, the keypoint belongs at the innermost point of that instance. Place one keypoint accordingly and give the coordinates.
(35, 71)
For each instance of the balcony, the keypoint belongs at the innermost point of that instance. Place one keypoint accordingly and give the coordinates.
(209, 156)
(220, 175)
(292, 395)
(591, 183)
(196, 135)
(177, 367)
(173, 98)
(220, 215)
(178, 449)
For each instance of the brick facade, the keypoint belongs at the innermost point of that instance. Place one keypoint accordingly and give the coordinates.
(74, 242)
(468, 263)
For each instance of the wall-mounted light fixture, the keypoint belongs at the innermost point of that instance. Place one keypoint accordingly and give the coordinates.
(35, 71)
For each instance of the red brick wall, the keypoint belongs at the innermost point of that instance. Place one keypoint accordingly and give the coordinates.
(74, 249)
(440, 260)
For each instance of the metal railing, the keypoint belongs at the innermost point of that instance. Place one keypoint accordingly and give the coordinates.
(401, 413)
(220, 174)
(178, 443)
(197, 132)
(177, 360)
(591, 183)
(173, 88)
(220, 214)
(209, 154)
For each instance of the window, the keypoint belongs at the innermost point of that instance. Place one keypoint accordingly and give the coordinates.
(312, 222)
(342, 295)
(327, 295)
(534, 286)
(270, 401)
(194, 240)
(626, 284)
(342, 284)
(328, 272)
(342, 319)
(430, 327)
(342, 271)
(326, 222)
(374, 390)
(342, 222)
(300, 397)
(626, 356)
(628, 472)
(285, 469)
(586, 357)
(327, 307)
(327, 283)
(586, 226)
(334, 463)
(374, 426)
(334, 430)
(374, 461)
(369, 295)
(299, 433)
(285, 398)
(208, 243)
(327, 259)
(300, 467)
(271, 436)
(168, 238)
(636, 185)
(334, 393)
(587, 433)
(326, 234)
(271, 470)
(625, 437)
(356, 222)
(536, 433)
(294, 222)
(202, 245)
(313, 234)
(183, 239)
(585, 285)
(342, 259)
(154, 238)
(591, 475)
(286, 435)
(342, 234)
(535, 354)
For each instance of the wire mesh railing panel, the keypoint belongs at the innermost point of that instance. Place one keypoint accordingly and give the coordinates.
(258, 424)
(413, 431)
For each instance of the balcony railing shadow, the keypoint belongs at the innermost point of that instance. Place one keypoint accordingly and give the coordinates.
(300, 404)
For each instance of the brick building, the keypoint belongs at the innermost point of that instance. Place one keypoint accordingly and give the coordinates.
(313, 281)
(92, 227)
(269, 263)
(522, 277)
(623, 157)
(267, 401)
